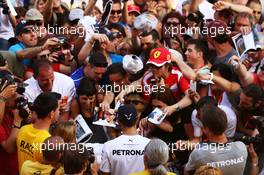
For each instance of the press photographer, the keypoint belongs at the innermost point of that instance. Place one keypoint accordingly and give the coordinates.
(9, 128)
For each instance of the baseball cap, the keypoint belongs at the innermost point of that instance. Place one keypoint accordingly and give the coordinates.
(45, 103)
(127, 115)
(159, 57)
(76, 14)
(132, 64)
(33, 15)
(133, 8)
(21, 26)
(216, 27)
(98, 59)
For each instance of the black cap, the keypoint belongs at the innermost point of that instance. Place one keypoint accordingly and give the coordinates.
(45, 103)
(127, 115)
(98, 59)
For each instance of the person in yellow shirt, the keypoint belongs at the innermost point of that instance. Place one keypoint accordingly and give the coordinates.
(51, 164)
(156, 156)
(31, 137)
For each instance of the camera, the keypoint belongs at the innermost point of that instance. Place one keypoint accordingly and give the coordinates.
(257, 141)
(5, 7)
(111, 35)
(63, 45)
(10, 79)
(23, 106)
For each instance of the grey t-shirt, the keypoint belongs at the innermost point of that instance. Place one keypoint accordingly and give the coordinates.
(230, 157)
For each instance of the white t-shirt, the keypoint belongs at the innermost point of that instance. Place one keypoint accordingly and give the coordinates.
(62, 84)
(124, 155)
(231, 122)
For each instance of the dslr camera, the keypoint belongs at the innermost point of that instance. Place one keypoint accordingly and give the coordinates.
(63, 44)
(10, 79)
(258, 140)
(23, 107)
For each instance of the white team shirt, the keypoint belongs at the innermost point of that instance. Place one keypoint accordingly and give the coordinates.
(62, 84)
(124, 155)
(231, 122)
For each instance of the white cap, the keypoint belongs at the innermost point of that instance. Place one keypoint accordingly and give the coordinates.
(176, 53)
(132, 64)
(76, 14)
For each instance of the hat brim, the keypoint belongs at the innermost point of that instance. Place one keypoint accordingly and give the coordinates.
(134, 11)
(158, 64)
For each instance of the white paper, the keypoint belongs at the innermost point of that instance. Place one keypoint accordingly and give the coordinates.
(156, 116)
(82, 129)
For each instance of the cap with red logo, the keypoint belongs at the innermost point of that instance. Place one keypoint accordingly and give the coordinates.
(133, 8)
(159, 57)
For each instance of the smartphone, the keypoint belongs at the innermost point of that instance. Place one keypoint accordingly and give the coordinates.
(193, 85)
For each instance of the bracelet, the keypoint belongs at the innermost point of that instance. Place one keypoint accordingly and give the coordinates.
(255, 164)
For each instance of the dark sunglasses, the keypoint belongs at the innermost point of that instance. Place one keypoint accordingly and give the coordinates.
(172, 23)
(116, 11)
(34, 23)
(135, 102)
(27, 30)
(256, 12)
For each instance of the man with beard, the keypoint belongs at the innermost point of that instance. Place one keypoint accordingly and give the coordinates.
(249, 103)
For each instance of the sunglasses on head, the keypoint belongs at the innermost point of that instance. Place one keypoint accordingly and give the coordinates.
(115, 11)
(34, 23)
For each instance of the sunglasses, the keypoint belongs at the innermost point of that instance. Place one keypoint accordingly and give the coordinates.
(256, 12)
(115, 11)
(135, 102)
(35, 23)
(27, 31)
(172, 23)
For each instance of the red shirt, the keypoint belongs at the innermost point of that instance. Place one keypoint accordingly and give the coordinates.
(176, 82)
(8, 161)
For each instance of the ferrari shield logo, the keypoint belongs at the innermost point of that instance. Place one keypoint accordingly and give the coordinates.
(156, 54)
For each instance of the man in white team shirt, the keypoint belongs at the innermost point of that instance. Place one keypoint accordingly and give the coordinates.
(124, 154)
(197, 123)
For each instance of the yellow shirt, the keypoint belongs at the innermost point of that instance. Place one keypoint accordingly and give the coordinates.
(146, 172)
(28, 142)
(30, 167)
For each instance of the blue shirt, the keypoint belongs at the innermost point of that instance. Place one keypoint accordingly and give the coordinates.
(77, 76)
(17, 47)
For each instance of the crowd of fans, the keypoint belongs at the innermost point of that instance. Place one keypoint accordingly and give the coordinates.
(120, 60)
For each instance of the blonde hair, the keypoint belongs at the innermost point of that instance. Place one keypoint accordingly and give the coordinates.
(66, 130)
(207, 170)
